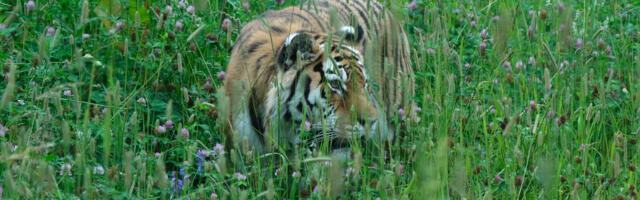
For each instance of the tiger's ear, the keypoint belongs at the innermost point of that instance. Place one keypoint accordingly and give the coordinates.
(294, 44)
(351, 33)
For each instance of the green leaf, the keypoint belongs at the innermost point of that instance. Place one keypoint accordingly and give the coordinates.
(142, 11)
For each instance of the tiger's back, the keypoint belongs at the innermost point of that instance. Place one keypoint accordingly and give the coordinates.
(252, 68)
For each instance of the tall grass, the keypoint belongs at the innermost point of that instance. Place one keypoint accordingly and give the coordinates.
(519, 100)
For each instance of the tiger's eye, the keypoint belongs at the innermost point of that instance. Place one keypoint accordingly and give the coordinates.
(335, 84)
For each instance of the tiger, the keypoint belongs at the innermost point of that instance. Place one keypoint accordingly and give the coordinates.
(302, 69)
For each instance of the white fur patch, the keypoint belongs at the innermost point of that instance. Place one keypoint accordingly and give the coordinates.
(348, 29)
(289, 38)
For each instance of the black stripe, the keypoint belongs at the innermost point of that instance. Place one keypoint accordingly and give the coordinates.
(259, 61)
(253, 114)
(254, 46)
(291, 14)
(277, 29)
(362, 15)
(315, 17)
(292, 90)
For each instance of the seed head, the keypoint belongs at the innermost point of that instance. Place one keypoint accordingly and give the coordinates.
(543, 14)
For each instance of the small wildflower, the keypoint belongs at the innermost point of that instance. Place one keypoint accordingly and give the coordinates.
(168, 10)
(239, 176)
(31, 6)
(307, 125)
(531, 12)
(532, 104)
(67, 93)
(99, 170)
(530, 32)
(401, 113)
(142, 100)
(608, 50)
(295, 174)
(595, 53)
(214, 196)
(112, 31)
(417, 109)
(519, 64)
(430, 51)
(218, 149)
(495, 81)
(182, 4)
(579, 43)
(184, 131)
(490, 124)
(222, 75)
(226, 24)
(507, 65)
(532, 60)
(119, 25)
(169, 124)
(191, 10)
(473, 23)
(497, 178)
(157, 154)
(179, 26)
(413, 5)
(51, 31)
(85, 36)
(484, 34)
(493, 111)
(65, 169)
(456, 11)
(161, 129)
(277, 172)
(2, 27)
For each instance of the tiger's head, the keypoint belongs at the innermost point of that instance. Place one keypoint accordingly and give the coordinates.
(321, 87)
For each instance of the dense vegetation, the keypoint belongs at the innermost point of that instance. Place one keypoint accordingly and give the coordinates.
(117, 99)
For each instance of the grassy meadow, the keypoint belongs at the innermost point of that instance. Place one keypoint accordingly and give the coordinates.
(117, 99)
